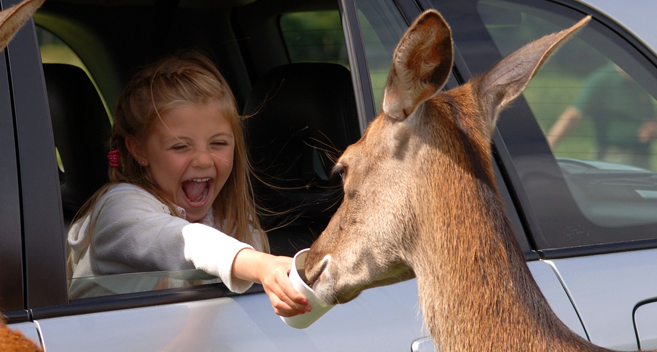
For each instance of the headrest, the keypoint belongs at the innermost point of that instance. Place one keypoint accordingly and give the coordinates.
(303, 116)
(81, 128)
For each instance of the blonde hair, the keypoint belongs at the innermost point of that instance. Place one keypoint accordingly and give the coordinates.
(176, 80)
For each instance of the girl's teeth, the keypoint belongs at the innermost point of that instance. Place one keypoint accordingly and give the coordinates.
(201, 179)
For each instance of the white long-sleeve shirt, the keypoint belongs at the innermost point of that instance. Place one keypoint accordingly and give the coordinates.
(135, 232)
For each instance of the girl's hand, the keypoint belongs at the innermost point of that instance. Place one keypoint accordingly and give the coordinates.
(276, 282)
(272, 272)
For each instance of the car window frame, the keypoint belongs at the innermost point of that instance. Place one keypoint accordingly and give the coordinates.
(11, 243)
(358, 63)
(39, 185)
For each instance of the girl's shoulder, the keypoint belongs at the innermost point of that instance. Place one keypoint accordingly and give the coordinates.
(127, 188)
(130, 196)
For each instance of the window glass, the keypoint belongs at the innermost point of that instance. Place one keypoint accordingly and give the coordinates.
(318, 37)
(55, 51)
(97, 286)
(314, 37)
(382, 26)
(588, 106)
(594, 101)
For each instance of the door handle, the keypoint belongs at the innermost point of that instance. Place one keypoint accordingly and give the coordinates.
(423, 344)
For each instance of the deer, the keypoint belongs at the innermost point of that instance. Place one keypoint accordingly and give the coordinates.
(11, 20)
(15, 341)
(420, 200)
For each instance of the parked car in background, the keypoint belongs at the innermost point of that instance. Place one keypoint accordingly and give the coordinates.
(311, 75)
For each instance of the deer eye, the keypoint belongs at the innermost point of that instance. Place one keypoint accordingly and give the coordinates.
(339, 169)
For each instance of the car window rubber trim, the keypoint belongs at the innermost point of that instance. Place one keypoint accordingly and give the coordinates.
(597, 249)
(139, 300)
(358, 63)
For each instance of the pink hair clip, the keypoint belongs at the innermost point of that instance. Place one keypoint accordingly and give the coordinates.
(114, 158)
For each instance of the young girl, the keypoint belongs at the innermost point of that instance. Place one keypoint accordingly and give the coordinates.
(179, 195)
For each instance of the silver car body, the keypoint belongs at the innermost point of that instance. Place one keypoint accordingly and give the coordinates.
(596, 296)
(606, 289)
(247, 323)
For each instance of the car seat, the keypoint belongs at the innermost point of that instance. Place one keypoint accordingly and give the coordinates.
(82, 128)
(302, 117)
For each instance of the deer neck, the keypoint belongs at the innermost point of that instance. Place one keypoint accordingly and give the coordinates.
(476, 290)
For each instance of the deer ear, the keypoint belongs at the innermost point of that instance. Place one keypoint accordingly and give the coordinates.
(420, 65)
(508, 78)
(13, 18)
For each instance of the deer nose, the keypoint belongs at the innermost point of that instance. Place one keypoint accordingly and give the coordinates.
(315, 268)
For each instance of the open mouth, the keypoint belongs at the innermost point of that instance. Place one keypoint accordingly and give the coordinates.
(197, 191)
(317, 272)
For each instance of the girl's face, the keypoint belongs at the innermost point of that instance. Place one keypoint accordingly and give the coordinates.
(191, 157)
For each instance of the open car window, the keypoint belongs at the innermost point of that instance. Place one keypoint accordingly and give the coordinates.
(314, 37)
(60, 61)
(310, 37)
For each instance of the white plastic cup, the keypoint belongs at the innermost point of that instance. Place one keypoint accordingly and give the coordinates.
(319, 308)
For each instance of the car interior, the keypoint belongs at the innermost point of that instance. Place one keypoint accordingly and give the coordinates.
(296, 130)
(301, 115)
(74, 107)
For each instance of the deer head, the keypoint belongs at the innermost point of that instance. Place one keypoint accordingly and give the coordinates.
(419, 185)
(13, 18)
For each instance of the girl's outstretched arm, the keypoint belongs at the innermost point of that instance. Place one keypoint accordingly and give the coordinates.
(272, 272)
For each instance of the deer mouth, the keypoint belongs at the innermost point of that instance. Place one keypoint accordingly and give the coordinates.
(322, 282)
(313, 272)
(337, 286)
(327, 286)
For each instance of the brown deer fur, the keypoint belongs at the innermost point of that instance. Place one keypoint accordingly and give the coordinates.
(11, 20)
(14, 341)
(421, 200)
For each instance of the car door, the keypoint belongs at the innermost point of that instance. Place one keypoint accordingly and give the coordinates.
(208, 317)
(586, 191)
(205, 317)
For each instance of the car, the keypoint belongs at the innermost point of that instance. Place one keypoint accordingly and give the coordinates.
(310, 76)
